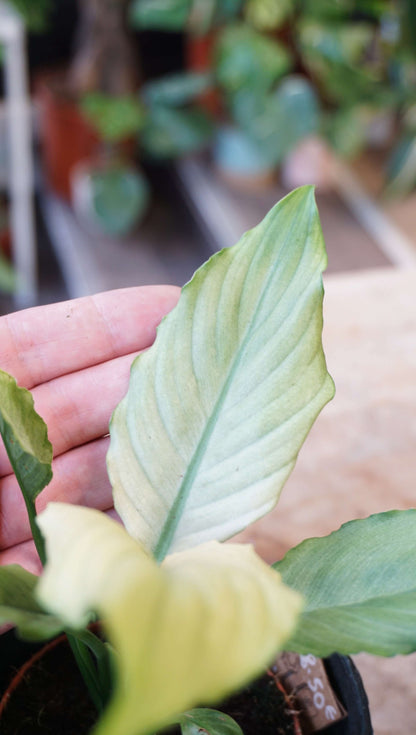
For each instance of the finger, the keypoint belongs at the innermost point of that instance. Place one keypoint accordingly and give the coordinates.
(77, 407)
(80, 477)
(24, 554)
(42, 343)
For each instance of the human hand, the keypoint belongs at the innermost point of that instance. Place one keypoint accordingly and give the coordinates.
(75, 357)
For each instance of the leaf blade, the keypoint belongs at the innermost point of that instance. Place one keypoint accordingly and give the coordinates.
(29, 450)
(222, 598)
(360, 587)
(218, 408)
(208, 721)
(18, 605)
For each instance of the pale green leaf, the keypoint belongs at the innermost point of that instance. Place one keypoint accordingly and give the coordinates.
(360, 587)
(209, 722)
(185, 633)
(219, 407)
(19, 606)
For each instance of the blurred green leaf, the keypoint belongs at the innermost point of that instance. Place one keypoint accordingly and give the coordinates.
(340, 43)
(300, 107)
(19, 606)
(166, 15)
(119, 198)
(268, 15)
(170, 132)
(114, 118)
(35, 13)
(245, 58)
(279, 120)
(401, 167)
(347, 130)
(176, 89)
(262, 119)
(326, 8)
(7, 275)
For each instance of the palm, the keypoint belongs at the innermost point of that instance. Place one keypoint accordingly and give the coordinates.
(75, 357)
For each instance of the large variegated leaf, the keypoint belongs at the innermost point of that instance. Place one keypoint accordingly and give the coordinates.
(19, 606)
(219, 407)
(193, 629)
(360, 587)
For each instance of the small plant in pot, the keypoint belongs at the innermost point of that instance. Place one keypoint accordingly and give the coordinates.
(109, 193)
(201, 446)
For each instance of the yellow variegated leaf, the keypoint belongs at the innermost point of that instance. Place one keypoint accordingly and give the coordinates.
(187, 632)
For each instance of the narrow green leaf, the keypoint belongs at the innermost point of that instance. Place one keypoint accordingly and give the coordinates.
(186, 632)
(19, 606)
(210, 721)
(218, 408)
(25, 437)
(360, 587)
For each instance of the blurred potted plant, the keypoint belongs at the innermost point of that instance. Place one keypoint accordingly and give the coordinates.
(335, 80)
(109, 191)
(104, 62)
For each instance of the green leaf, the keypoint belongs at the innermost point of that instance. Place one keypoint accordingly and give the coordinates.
(26, 441)
(210, 721)
(338, 43)
(166, 15)
(176, 89)
(119, 199)
(360, 587)
(115, 118)
(186, 632)
(218, 408)
(401, 173)
(172, 132)
(246, 58)
(268, 15)
(35, 14)
(7, 275)
(19, 606)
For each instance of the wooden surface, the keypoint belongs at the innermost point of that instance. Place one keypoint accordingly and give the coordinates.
(360, 457)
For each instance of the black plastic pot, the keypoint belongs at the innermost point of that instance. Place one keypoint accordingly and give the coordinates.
(348, 686)
(342, 673)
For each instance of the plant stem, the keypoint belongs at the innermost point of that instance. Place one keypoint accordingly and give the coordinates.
(88, 671)
(36, 532)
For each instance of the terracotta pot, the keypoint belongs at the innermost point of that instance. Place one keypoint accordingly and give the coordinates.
(66, 137)
(199, 58)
